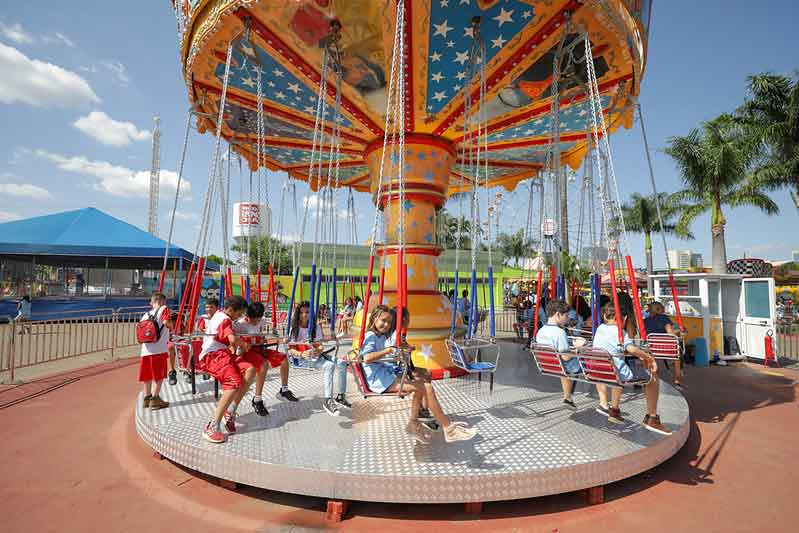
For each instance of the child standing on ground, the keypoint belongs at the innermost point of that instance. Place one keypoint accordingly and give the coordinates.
(385, 377)
(153, 363)
(218, 358)
(310, 357)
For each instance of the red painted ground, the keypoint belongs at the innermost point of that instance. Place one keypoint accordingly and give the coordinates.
(71, 461)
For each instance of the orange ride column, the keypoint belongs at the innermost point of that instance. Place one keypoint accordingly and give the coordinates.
(428, 162)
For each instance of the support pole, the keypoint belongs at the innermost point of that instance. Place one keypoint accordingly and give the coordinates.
(537, 304)
(639, 317)
(619, 327)
(365, 301)
(291, 300)
(492, 324)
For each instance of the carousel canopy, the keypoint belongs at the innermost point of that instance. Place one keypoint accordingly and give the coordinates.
(520, 39)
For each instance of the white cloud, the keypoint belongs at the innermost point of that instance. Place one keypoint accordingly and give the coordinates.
(115, 179)
(6, 216)
(15, 32)
(40, 84)
(25, 190)
(185, 216)
(118, 70)
(108, 131)
(58, 38)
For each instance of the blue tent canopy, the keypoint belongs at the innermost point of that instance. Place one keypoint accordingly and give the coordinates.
(85, 237)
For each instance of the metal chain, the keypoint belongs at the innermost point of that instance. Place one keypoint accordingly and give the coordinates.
(181, 163)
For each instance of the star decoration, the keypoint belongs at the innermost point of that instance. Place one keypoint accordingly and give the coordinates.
(407, 205)
(499, 42)
(504, 16)
(426, 352)
(435, 57)
(444, 3)
(461, 57)
(460, 75)
(280, 95)
(248, 81)
(437, 77)
(527, 14)
(428, 237)
(450, 44)
(294, 87)
(468, 31)
(270, 83)
(442, 29)
(440, 95)
(277, 72)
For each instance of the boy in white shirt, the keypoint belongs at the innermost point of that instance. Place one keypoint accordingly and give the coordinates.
(552, 334)
(253, 323)
(153, 362)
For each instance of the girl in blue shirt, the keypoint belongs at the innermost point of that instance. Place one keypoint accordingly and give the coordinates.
(384, 376)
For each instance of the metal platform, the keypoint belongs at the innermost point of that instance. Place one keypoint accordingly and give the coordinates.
(528, 444)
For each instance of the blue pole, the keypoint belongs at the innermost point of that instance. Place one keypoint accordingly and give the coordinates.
(222, 291)
(473, 306)
(312, 310)
(334, 307)
(291, 300)
(454, 307)
(594, 302)
(492, 324)
(247, 288)
(318, 299)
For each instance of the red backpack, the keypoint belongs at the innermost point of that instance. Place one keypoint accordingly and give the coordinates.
(148, 330)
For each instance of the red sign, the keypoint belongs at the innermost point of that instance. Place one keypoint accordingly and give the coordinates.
(249, 215)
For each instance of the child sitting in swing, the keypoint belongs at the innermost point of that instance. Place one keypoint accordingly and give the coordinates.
(384, 377)
(552, 334)
(307, 356)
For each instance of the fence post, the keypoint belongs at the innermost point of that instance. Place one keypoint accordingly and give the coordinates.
(13, 351)
(113, 332)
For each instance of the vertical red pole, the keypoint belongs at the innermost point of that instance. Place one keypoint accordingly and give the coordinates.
(676, 301)
(537, 303)
(399, 296)
(161, 280)
(382, 282)
(639, 317)
(272, 295)
(229, 281)
(187, 290)
(553, 283)
(195, 295)
(573, 296)
(366, 300)
(619, 327)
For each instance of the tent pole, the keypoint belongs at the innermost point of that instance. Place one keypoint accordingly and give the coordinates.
(107, 280)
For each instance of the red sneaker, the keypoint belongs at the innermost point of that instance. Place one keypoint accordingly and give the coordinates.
(212, 435)
(230, 422)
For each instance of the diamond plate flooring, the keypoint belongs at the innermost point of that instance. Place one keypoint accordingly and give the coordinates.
(527, 444)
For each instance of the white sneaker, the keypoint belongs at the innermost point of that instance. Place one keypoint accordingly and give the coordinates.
(458, 433)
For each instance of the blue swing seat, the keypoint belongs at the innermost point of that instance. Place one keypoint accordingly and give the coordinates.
(470, 365)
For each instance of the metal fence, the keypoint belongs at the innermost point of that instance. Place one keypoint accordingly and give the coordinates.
(47, 339)
(788, 340)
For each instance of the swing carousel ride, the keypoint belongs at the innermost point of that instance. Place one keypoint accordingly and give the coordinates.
(413, 101)
(469, 88)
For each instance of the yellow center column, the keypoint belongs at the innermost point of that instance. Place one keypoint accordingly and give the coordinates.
(428, 161)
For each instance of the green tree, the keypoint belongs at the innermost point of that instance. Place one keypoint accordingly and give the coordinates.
(640, 216)
(216, 259)
(714, 162)
(771, 115)
(264, 248)
(449, 227)
(514, 247)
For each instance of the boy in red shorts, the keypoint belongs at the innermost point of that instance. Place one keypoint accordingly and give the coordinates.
(218, 358)
(254, 323)
(153, 363)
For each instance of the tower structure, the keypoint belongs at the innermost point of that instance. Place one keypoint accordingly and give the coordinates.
(155, 178)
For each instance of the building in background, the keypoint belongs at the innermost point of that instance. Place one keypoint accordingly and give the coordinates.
(795, 256)
(685, 260)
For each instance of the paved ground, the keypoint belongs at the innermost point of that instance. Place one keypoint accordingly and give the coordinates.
(72, 462)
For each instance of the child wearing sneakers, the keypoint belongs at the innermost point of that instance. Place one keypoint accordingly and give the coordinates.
(310, 357)
(153, 363)
(385, 377)
(425, 416)
(552, 334)
(253, 324)
(632, 363)
(218, 358)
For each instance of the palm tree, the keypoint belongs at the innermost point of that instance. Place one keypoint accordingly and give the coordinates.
(771, 116)
(449, 228)
(714, 163)
(514, 247)
(640, 216)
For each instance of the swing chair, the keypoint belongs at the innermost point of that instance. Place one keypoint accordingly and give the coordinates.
(468, 353)
(596, 365)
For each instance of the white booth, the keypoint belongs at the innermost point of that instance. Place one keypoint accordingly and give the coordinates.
(715, 306)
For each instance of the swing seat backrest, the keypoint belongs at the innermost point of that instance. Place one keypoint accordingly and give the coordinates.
(457, 355)
(360, 378)
(598, 366)
(664, 345)
(548, 360)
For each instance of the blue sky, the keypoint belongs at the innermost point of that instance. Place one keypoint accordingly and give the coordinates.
(83, 79)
